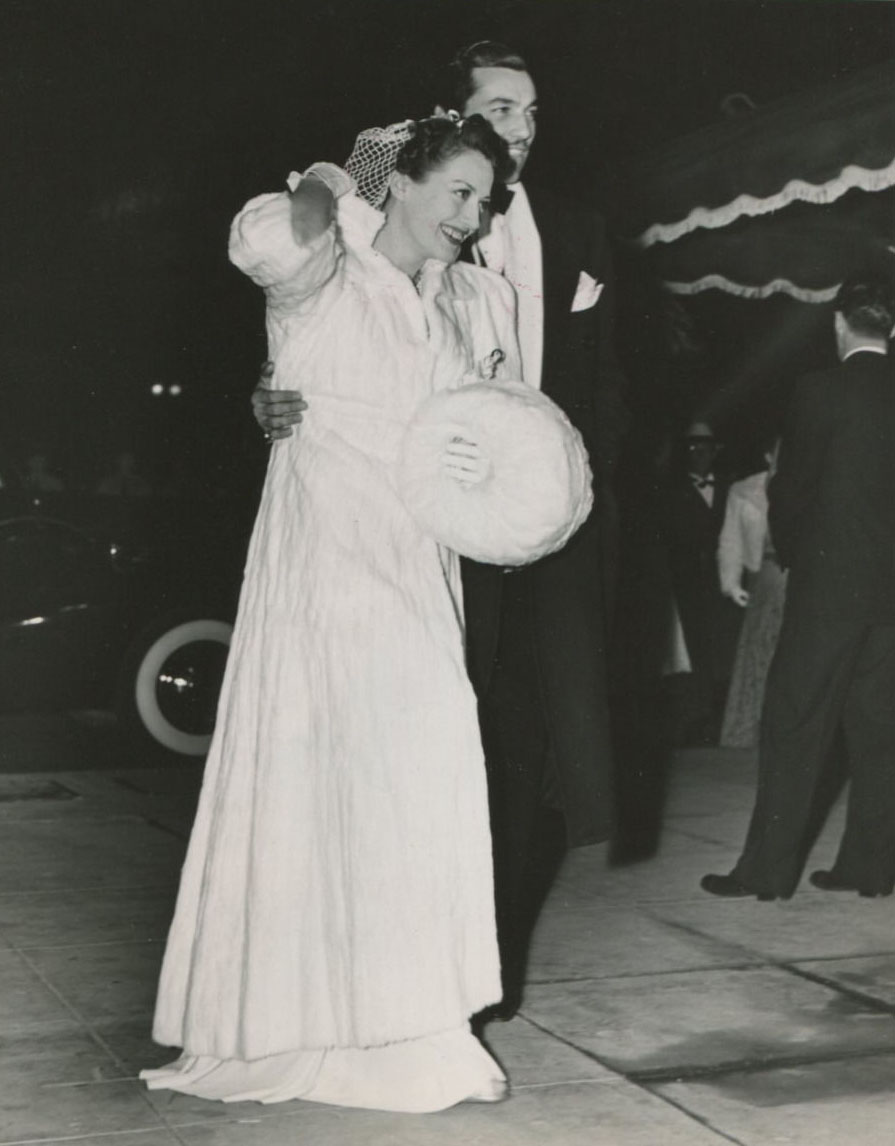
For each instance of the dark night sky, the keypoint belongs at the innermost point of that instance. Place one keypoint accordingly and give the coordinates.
(133, 129)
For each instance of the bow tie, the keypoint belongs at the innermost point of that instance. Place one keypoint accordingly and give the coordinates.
(702, 482)
(501, 198)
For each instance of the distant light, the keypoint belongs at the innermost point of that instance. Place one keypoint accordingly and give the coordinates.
(157, 388)
(180, 683)
(35, 621)
(175, 389)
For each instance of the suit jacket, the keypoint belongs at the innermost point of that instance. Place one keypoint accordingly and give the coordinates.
(832, 500)
(691, 529)
(581, 374)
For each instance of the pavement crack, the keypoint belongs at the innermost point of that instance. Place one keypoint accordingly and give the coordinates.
(656, 1076)
(752, 959)
(879, 1005)
(634, 1079)
(694, 1117)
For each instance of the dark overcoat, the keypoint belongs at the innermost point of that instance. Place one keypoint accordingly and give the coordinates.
(832, 501)
(582, 375)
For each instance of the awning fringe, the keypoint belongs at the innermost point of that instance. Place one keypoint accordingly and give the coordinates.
(850, 178)
(775, 286)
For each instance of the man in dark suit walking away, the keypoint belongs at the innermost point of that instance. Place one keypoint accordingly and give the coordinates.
(832, 517)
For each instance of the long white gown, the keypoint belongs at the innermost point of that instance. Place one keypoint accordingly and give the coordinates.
(334, 929)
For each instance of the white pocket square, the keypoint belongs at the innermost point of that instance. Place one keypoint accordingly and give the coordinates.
(586, 293)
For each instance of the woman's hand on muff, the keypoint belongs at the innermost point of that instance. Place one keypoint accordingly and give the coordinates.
(465, 462)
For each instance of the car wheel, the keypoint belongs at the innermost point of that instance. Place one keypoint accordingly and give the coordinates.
(171, 680)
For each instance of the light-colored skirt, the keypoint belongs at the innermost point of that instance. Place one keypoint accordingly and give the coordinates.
(758, 640)
(416, 1077)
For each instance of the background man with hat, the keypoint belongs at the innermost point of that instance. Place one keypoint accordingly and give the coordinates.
(693, 513)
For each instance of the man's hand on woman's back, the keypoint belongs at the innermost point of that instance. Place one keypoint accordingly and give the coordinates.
(276, 411)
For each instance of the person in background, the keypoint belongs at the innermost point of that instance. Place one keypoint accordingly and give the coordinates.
(832, 518)
(537, 639)
(693, 504)
(751, 577)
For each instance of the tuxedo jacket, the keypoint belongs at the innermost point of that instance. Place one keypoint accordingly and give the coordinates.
(582, 375)
(832, 500)
(691, 530)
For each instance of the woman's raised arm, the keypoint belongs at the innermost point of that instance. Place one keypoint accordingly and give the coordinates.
(285, 242)
(313, 200)
(313, 207)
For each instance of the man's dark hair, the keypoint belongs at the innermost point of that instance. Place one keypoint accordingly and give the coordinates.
(868, 306)
(483, 54)
(438, 139)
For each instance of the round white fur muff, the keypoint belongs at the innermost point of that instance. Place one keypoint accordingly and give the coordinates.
(537, 490)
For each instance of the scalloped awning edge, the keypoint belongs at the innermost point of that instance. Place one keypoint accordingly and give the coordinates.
(850, 178)
(763, 290)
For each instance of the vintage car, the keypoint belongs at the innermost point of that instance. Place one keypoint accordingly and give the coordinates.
(106, 606)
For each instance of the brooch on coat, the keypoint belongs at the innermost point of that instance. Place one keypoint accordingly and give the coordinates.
(487, 368)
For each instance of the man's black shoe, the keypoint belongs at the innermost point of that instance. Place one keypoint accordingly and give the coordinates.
(503, 1012)
(729, 888)
(829, 881)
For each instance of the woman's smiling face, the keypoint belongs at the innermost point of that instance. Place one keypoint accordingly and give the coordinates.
(439, 213)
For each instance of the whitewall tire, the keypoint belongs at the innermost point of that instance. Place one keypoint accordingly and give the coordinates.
(171, 681)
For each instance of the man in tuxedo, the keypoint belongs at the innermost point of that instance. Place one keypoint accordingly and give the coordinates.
(537, 637)
(693, 504)
(832, 518)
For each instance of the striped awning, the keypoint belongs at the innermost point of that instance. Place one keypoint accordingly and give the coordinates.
(790, 197)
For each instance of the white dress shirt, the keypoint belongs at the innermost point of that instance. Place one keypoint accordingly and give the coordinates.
(512, 247)
(704, 484)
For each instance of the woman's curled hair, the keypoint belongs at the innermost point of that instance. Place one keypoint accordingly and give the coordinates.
(439, 138)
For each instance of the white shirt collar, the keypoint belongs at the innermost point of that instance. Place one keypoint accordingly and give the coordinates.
(517, 189)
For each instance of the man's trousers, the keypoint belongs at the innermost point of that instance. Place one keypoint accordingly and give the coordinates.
(826, 673)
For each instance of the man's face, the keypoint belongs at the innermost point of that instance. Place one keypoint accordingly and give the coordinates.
(508, 100)
(701, 455)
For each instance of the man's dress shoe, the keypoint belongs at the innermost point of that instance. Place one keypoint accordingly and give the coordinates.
(730, 888)
(829, 881)
(503, 1012)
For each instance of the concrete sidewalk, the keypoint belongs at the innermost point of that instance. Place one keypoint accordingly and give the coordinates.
(656, 1016)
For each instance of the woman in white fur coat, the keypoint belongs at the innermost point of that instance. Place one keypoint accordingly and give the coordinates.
(335, 930)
